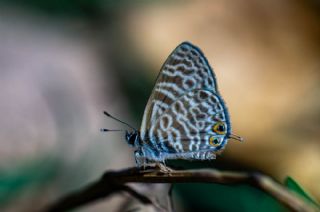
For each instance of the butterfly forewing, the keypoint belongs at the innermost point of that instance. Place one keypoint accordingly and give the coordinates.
(186, 69)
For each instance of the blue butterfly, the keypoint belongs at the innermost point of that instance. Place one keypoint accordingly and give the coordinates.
(185, 117)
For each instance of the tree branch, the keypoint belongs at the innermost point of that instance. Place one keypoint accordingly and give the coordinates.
(114, 181)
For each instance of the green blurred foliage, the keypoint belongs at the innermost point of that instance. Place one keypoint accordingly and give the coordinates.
(295, 187)
(60, 7)
(88, 9)
(216, 197)
(27, 176)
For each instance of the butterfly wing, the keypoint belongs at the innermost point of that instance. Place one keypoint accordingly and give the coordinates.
(186, 69)
(188, 128)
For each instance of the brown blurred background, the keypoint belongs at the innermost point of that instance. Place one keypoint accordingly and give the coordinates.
(63, 63)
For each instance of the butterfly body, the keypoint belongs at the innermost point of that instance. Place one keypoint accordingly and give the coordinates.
(185, 117)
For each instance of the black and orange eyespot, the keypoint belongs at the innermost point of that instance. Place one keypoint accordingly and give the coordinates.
(219, 128)
(213, 141)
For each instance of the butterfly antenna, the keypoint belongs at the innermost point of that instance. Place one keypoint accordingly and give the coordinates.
(110, 116)
(236, 137)
(108, 130)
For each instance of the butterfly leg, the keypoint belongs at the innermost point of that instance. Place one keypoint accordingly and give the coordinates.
(163, 168)
(140, 159)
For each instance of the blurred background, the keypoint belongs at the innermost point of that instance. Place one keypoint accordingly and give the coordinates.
(63, 62)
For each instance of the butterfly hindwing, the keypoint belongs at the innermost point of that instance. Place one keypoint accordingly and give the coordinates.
(186, 69)
(184, 129)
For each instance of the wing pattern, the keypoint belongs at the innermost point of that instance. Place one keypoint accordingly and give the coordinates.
(186, 69)
(187, 126)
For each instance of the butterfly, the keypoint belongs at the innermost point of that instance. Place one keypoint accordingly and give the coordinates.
(185, 116)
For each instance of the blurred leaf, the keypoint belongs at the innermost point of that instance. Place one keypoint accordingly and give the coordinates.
(83, 8)
(27, 175)
(295, 187)
(216, 197)
(90, 9)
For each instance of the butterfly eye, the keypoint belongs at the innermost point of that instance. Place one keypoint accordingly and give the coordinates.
(214, 141)
(219, 128)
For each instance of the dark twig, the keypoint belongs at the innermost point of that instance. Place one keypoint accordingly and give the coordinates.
(97, 190)
(114, 181)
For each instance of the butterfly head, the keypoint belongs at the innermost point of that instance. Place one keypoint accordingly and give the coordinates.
(133, 138)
